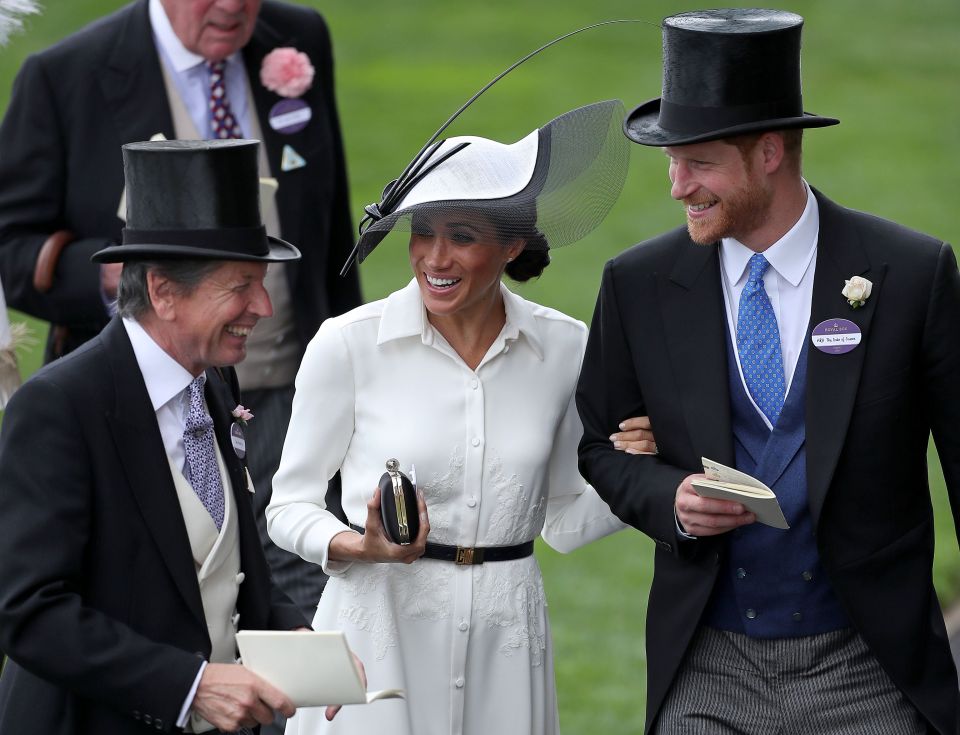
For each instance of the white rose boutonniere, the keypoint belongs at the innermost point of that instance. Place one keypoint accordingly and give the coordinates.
(857, 291)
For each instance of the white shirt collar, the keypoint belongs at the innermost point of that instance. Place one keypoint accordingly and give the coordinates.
(789, 256)
(179, 56)
(165, 377)
(520, 320)
(405, 316)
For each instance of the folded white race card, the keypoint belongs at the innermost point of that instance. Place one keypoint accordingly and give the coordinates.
(313, 668)
(726, 483)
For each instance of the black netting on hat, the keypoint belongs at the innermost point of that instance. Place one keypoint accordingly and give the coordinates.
(551, 188)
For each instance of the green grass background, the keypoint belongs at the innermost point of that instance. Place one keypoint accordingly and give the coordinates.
(890, 70)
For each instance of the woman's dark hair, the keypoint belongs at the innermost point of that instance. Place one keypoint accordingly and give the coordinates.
(520, 222)
(531, 261)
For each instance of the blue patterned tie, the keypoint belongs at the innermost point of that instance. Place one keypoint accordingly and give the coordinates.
(758, 343)
(200, 446)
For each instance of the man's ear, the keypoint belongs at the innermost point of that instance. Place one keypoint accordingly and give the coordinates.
(162, 296)
(772, 149)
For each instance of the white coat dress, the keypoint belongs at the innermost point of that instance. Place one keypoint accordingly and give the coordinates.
(495, 451)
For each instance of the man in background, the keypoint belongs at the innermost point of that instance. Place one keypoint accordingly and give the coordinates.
(182, 69)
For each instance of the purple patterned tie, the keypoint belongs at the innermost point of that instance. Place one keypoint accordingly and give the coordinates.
(222, 122)
(200, 445)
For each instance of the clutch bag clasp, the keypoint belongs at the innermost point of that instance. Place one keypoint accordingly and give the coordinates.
(393, 468)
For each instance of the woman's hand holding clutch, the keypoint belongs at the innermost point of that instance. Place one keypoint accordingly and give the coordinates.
(374, 545)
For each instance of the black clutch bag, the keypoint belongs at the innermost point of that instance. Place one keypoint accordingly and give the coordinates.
(398, 505)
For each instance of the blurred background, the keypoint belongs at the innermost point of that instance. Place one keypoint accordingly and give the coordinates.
(889, 70)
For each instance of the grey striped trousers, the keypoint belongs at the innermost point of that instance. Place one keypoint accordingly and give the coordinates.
(828, 684)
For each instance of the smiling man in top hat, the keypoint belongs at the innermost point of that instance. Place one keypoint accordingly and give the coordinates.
(183, 69)
(129, 555)
(810, 346)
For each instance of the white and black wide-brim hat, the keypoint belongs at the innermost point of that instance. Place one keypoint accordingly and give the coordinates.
(551, 187)
(725, 73)
(194, 200)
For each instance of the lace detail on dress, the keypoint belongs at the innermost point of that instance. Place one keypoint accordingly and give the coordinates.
(442, 492)
(424, 590)
(379, 623)
(382, 591)
(516, 517)
(514, 601)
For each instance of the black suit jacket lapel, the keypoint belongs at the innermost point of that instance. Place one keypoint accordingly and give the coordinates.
(257, 592)
(266, 37)
(220, 402)
(132, 83)
(832, 380)
(140, 451)
(695, 323)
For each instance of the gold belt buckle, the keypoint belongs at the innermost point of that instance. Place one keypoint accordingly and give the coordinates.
(464, 555)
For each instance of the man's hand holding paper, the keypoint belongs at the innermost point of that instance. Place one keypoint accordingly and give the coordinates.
(230, 697)
(313, 668)
(733, 487)
(699, 516)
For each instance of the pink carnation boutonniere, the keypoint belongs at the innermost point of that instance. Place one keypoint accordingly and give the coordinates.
(287, 72)
(241, 414)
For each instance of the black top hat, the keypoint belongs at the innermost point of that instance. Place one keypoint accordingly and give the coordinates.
(725, 73)
(194, 199)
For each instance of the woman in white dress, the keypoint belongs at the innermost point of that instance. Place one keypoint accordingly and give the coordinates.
(473, 385)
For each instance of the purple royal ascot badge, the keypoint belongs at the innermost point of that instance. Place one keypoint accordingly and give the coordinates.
(242, 416)
(238, 440)
(289, 116)
(836, 336)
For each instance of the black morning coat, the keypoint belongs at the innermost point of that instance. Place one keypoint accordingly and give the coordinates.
(100, 608)
(657, 347)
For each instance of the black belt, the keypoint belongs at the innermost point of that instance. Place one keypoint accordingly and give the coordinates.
(465, 555)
